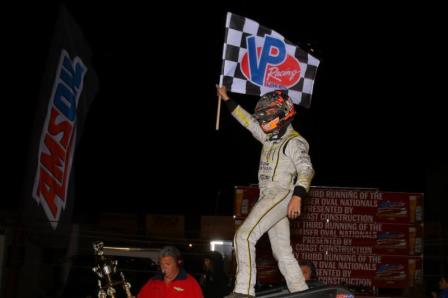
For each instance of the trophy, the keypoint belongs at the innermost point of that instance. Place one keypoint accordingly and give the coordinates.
(106, 270)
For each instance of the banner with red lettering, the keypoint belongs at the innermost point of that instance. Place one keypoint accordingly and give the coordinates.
(68, 86)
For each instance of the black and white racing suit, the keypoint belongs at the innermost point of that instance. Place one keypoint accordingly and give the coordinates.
(285, 169)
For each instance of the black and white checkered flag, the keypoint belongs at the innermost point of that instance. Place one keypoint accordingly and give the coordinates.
(257, 60)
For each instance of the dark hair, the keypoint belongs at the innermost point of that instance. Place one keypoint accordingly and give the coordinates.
(216, 259)
(311, 266)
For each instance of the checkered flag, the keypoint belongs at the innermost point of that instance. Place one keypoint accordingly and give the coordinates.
(257, 60)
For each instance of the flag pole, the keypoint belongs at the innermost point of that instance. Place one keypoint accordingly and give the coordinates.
(221, 77)
(218, 109)
(218, 113)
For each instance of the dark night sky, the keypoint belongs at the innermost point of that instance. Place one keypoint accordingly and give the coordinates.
(150, 144)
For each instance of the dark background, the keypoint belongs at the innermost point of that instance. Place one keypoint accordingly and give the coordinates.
(150, 145)
(377, 117)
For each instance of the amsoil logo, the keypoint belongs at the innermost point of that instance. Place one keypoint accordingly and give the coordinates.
(58, 138)
(270, 65)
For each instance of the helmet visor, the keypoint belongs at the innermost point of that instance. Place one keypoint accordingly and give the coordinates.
(270, 126)
(268, 119)
(266, 115)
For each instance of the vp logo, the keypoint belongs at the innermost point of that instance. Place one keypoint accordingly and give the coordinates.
(270, 65)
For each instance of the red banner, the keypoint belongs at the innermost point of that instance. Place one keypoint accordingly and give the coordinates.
(365, 270)
(356, 237)
(369, 205)
(359, 238)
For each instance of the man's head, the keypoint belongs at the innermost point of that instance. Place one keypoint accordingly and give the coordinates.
(443, 282)
(170, 261)
(213, 261)
(274, 111)
(308, 270)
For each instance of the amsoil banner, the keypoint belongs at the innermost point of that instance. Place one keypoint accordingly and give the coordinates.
(69, 84)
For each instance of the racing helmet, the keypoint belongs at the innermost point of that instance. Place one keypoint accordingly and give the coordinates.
(274, 111)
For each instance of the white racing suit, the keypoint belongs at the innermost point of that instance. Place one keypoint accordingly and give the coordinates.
(285, 169)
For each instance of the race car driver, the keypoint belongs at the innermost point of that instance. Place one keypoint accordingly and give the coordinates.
(284, 176)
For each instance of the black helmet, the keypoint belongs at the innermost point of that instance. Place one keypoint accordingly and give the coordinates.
(274, 111)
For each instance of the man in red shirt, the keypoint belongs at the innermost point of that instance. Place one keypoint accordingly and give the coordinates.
(173, 281)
